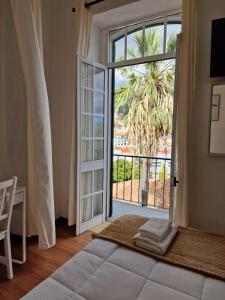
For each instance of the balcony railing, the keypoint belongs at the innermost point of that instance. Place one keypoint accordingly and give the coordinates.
(142, 180)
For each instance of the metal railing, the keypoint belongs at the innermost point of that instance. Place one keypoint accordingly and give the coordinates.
(142, 180)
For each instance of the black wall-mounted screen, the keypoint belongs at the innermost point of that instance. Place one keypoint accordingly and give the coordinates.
(218, 48)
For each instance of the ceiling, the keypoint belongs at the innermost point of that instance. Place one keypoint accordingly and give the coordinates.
(134, 11)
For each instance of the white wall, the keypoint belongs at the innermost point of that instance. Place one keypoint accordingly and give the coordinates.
(13, 113)
(95, 43)
(207, 202)
(98, 43)
(59, 61)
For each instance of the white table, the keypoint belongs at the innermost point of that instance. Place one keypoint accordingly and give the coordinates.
(20, 219)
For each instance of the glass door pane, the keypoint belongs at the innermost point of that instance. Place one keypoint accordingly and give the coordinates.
(98, 150)
(97, 204)
(87, 75)
(87, 101)
(98, 180)
(86, 183)
(87, 126)
(86, 209)
(87, 151)
(98, 127)
(99, 79)
(99, 103)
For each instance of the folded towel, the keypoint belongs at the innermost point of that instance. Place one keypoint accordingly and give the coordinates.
(156, 229)
(157, 247)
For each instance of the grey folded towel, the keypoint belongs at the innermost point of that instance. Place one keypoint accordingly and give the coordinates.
(156, 229)
(156, 247)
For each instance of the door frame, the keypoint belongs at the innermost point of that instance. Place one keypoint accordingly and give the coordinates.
(173, 170)
(109, 204)
(111, 68)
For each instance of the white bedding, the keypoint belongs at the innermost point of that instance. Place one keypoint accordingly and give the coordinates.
(106, 271)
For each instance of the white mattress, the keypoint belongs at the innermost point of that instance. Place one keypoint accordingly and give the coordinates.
(106, 271)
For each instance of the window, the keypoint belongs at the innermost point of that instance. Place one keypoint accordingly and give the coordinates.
(131, 42)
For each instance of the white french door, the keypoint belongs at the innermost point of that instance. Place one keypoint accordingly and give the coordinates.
(92, 144)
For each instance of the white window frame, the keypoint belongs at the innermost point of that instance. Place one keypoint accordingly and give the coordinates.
(144, 59)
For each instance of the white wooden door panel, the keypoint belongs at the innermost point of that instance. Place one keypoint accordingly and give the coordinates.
(92, 144)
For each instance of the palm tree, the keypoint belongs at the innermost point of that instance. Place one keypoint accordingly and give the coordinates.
(145, 103)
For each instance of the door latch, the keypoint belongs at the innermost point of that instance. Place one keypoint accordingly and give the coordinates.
(174, 181)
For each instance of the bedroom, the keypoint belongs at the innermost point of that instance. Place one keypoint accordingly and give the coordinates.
(39, 80)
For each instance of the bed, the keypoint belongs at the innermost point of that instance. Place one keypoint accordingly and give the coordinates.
(105, 270)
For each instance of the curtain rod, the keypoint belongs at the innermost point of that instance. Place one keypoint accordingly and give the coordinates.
(87, 5)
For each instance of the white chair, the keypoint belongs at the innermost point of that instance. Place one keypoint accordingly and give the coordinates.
(7, 193)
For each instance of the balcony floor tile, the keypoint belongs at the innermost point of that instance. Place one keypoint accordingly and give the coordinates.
(121, 208)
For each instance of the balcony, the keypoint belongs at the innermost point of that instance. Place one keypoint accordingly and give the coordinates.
(141, 185)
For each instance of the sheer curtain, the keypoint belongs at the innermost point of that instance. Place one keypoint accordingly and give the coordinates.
(83, 19)
(41, 216)
(185, 97)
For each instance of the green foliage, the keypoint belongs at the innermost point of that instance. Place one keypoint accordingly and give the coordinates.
(163, 174)
(118, 170)
(130, 173)
(137, 172)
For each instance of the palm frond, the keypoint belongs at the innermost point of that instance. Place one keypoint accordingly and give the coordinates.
(145, 103)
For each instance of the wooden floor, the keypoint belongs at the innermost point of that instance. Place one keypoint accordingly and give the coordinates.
(41, 263)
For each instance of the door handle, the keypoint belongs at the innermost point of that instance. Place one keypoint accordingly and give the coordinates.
(175, 181)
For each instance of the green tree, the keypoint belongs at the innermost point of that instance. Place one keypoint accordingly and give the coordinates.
(148, 95)
(163, 173)
(122, 170)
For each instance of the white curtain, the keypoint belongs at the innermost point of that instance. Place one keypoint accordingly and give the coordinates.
(37, 15)
(186, 87)
(83, 19)
(41, 217)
